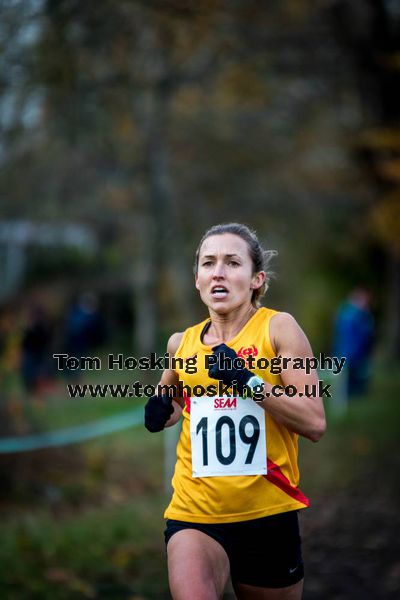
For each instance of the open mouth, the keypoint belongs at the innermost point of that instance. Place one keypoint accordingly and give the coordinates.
(219, 291)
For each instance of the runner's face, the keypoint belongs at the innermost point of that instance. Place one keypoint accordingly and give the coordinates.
(225, 277)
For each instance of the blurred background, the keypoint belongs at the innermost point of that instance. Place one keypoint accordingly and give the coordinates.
(127, 128)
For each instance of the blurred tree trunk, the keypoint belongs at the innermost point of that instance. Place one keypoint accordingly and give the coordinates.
(143, 281)
(165, 205)
(393, 307)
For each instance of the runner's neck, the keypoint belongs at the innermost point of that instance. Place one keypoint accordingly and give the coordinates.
(221, 329)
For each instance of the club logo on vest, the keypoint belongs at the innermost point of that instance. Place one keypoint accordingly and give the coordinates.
(246, 352)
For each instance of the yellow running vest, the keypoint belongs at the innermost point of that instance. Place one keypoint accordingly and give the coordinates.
(226, 499)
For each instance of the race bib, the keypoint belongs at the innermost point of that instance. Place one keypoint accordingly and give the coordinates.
(227, 436)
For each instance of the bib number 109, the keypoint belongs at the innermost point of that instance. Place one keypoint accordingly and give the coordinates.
(251, 440)
(227, 441)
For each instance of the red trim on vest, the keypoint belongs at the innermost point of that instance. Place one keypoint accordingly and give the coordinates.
(274, 475)
(187, 401)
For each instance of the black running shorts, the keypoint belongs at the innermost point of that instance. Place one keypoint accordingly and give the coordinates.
(262, 552)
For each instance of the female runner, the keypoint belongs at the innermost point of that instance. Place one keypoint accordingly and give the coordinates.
(235, 502)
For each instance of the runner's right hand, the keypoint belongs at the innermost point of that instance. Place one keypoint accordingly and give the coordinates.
(157, 412)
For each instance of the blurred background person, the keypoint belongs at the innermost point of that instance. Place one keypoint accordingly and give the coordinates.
(84, 328)
(36, 342)
(353, 339)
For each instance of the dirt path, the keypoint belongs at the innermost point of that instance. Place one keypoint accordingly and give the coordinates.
(351, 538)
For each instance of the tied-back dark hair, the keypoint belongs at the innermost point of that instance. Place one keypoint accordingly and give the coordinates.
(259, 257)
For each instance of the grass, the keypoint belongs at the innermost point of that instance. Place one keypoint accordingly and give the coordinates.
(119, 546)
(96, 531)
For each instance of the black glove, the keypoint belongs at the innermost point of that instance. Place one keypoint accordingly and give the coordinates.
(157, 412)
(241, 376)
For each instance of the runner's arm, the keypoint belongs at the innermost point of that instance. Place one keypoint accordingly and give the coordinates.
(300, 414)
(170, 377)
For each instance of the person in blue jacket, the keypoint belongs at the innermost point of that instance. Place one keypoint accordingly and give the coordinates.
(353, 338)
